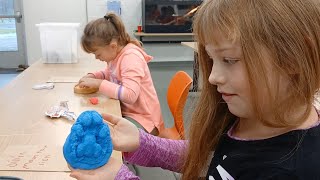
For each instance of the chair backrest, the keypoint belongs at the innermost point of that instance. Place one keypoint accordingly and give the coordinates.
(176, 98)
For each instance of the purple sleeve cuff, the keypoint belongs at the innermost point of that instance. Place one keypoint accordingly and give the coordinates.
(158, 152)
(124, 174)
(103, 75)
(119, 91)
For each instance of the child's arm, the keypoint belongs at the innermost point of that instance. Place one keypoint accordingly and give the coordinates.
(125, 173)
(100, 75)
(145, 149)
(158, 152)
(132, 70)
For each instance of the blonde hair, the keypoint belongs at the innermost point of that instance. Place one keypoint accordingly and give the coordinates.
(289, 31)
(101, 32)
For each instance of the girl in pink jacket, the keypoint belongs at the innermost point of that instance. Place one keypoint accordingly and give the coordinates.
(127, 76)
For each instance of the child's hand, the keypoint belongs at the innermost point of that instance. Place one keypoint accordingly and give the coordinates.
(108, 171)
(89, 82)
(124, 134)
(90, 75)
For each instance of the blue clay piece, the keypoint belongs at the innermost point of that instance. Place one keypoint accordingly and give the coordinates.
(89, 144)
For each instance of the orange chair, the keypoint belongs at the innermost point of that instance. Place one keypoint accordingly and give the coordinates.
(176, 98)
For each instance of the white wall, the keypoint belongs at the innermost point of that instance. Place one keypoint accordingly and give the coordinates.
(38, 11)
(130, 12)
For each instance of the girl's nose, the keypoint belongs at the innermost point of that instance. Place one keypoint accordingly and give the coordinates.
(217, 76)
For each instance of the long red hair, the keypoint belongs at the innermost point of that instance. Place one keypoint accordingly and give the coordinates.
(289, 31)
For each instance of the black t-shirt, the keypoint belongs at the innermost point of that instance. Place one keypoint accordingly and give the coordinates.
(293, 155)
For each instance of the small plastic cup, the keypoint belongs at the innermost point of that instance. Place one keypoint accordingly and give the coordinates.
(139, 28)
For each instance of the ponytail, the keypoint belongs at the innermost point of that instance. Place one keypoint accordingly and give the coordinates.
(103, 30)
(124, 37)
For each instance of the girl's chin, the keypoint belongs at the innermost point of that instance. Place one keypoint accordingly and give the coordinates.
(237, 111)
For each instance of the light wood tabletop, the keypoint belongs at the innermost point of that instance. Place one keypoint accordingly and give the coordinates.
(22, 109)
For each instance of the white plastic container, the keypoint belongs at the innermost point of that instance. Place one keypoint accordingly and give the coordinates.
(59, 42)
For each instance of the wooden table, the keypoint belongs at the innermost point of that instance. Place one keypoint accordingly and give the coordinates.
(193, 46)
(22, 110)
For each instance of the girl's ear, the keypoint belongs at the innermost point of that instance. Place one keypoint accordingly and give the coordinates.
(113, 45)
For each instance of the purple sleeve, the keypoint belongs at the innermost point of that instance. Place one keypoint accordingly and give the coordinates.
(158, 152)
(124, 173)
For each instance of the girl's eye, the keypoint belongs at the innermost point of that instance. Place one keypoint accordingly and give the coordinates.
(230, 61)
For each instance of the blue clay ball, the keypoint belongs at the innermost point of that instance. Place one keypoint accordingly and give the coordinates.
(78, 130)
(89, 144)
(103, 132)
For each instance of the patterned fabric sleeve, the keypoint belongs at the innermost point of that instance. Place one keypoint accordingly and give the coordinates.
(132, 72)
(100, 74)
(158, 152)
(124, 174)
(154, 152)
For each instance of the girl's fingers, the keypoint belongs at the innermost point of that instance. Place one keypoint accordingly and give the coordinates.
(111, 118)
(70, 167)
(78, 175)
(81, 174)
(81, 84)
(74, 174)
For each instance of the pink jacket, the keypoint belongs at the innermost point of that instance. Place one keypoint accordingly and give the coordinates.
(128, 79)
